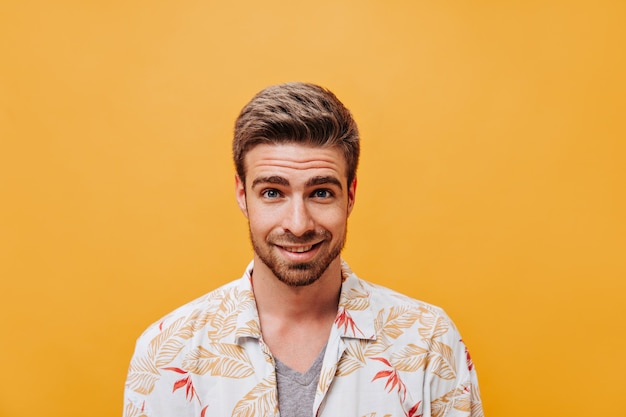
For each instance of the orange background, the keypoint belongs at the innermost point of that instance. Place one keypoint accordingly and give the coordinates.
(491, 183)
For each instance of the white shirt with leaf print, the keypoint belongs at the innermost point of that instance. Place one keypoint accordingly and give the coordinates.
(387, 355)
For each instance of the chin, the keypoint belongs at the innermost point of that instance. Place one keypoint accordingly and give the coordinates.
(300, 275)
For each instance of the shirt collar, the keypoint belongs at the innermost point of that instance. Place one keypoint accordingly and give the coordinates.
(354, 320)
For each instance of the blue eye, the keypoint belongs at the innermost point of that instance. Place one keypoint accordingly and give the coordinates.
(271, 193)
(322, 194)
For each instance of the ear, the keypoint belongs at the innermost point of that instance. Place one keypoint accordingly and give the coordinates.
(240, 193)
(351, 195)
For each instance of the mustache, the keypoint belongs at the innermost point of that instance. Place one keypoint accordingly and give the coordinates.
(288, 238)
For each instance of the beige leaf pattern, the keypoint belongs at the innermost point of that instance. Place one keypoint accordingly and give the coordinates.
(352, 359)
(224, 320)
(463, 403)
(442, 359)
(356, 299)
(476, 406)
(162, 350)
(168, 344)
(378, 346)
(164, 335)
(326, 377)
(412, 358)
(176, 336)
(434, 325)
(252, 328)
(437, 328)
(439, 406)
(390, 325)
(168, 352)
(197, 320)
(130, 410)
(142, 375)
(260, 401)
(396, 320)
(228, 361)
(465, 400)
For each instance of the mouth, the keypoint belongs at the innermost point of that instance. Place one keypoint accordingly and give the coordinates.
(299, 249)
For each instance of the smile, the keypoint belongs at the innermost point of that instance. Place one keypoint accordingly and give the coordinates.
(299, 249)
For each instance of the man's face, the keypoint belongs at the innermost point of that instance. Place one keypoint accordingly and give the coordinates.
(297, 202)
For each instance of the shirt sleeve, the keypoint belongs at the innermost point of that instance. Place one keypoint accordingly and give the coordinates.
(156, 384)
(451, 377)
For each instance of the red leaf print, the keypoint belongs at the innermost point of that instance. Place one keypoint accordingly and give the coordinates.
(393, 378)
(190, 391)
(204, 411)
(382, 374)
(383, 360)
(393, 381)
(470, 363)
(180, 371)
(344, 320)
(413, 411)
(180, 383)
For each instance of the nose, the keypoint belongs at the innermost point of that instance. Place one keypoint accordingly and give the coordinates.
(298, 219)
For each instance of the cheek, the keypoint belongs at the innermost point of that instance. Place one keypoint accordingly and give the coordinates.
(260, 222)
(333, 220)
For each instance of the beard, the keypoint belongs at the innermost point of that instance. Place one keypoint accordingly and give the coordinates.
(298, 274)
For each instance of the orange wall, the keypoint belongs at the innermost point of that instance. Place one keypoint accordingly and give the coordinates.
(492, 179)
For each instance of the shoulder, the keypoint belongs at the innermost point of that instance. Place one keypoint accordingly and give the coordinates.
(404, 316)
(379, 296)
(166, 349)
(194, 315)
(404, 324)
(382, 298)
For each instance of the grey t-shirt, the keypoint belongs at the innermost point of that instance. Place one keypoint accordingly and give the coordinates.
(296, 391)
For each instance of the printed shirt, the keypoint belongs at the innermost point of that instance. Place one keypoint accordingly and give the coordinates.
(387, 355)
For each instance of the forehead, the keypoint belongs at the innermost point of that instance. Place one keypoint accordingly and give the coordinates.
(291, 159)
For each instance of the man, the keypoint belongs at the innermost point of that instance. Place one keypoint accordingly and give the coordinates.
(299, 333)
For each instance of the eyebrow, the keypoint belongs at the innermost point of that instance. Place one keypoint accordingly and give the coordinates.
(277, 180)
(321, 180)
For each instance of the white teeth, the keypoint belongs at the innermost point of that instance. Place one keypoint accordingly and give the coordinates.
(300, 249)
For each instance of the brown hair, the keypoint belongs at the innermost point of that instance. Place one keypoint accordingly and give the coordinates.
(296, 113)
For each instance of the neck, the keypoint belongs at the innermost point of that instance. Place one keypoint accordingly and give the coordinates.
(276, 299)
(296, 321)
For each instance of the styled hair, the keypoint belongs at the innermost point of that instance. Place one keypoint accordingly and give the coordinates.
(300, 113)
